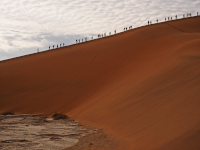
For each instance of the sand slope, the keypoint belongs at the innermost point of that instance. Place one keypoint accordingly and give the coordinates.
(141, 86)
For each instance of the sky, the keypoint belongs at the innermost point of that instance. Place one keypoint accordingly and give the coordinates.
(27, 25)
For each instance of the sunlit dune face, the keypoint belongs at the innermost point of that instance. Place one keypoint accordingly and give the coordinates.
(140, 86)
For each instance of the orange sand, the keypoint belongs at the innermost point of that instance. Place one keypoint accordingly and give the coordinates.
(141, 86)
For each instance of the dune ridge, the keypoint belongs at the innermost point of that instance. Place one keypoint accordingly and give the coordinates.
(141, 86)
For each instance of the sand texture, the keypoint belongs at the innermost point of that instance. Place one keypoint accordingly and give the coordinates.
(142, 87)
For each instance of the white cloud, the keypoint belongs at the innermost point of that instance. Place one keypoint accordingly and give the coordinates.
(28, 24)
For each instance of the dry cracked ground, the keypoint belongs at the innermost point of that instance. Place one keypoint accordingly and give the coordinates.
(19, 132)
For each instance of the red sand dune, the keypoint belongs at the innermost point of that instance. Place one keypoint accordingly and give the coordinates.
(141, 86)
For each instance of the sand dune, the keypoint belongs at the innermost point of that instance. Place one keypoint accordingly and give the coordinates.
(141, 86)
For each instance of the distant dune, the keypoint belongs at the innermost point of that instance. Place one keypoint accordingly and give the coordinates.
(141, 86)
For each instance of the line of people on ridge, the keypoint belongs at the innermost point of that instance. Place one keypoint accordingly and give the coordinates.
(125, 29)
(170, 18)
(61, 44)
(99, 36)
(102, 35)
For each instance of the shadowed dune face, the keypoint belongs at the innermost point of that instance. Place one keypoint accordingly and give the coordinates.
(141, 86)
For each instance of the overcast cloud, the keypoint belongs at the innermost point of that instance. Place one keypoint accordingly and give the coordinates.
(30, 24)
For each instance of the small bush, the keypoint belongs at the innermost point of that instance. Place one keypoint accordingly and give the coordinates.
(58, 116)
(8, 113)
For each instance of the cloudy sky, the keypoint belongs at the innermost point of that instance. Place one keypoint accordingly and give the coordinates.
(26, 25)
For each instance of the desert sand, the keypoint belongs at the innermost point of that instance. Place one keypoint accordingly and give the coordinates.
(142, 87)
